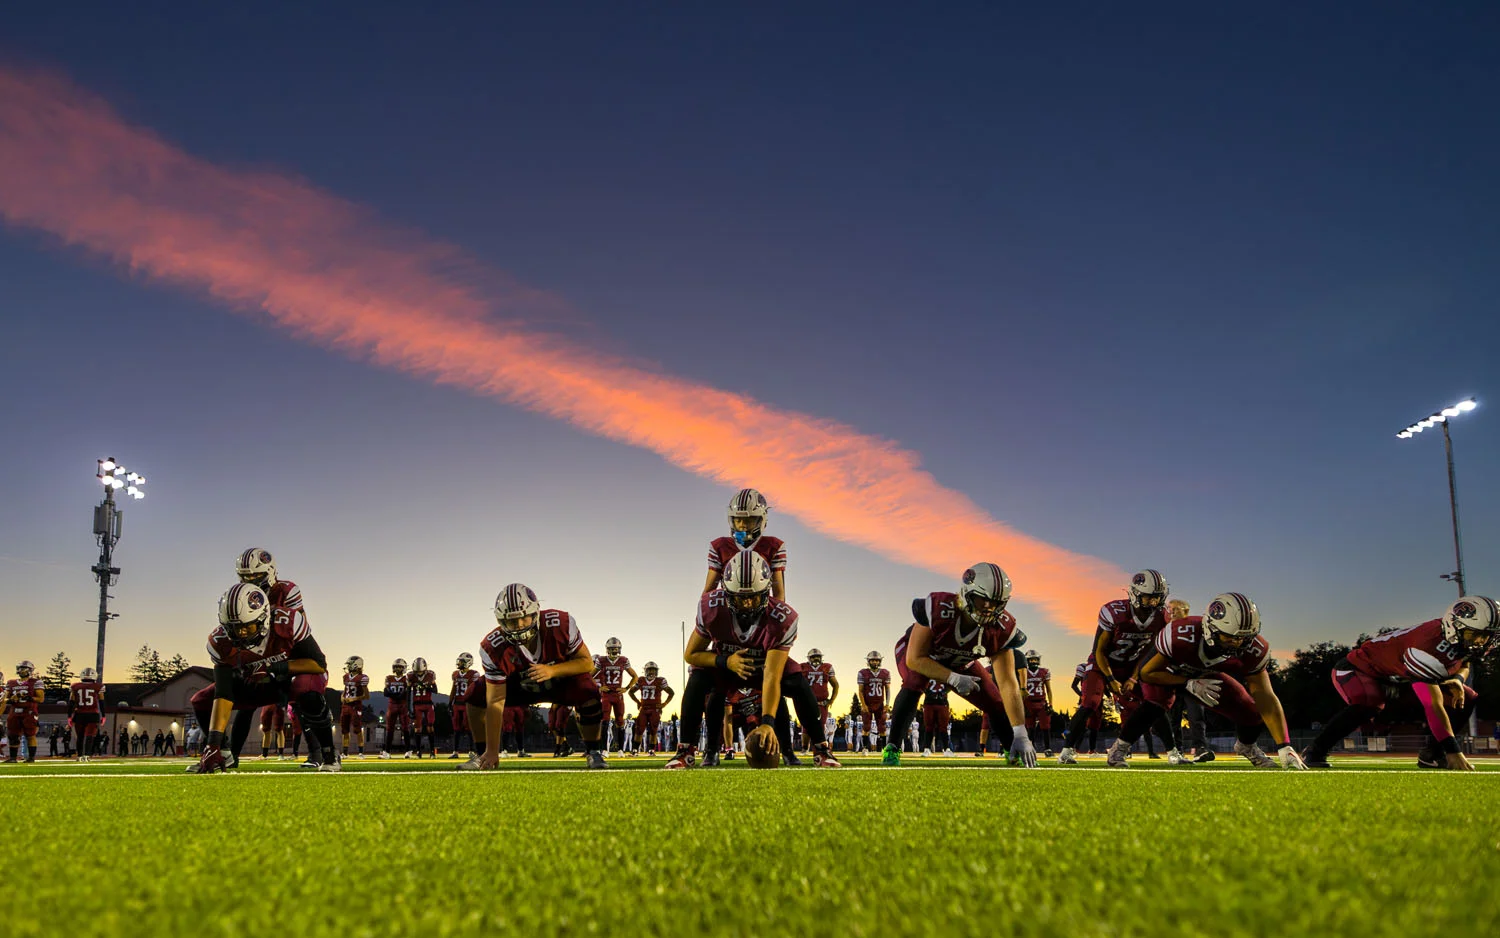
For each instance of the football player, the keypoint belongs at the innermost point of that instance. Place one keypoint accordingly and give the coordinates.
(610, 669)
(421, 683)
(534, 655)
(1039, 699)
(874, 683)
(825, 686)
(557, 722)
(464, 677)
(1421, 669)
(396, 713)
(513, 732)
(1220, 658)
(1122, 641)
(262, 654)
(742, 637)
(352, 703)
(650, 694)
(951, 633)
(272, 730)
(84, 713)
(937, 716)
(23, 695)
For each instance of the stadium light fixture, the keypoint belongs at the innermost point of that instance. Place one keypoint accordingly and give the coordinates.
(113, 477)
(1443, 417)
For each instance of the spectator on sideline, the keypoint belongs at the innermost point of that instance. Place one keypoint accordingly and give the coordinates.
(158, 745)
(169, 747)
(123, 747)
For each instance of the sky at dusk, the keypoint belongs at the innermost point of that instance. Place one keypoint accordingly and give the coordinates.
(429, 302)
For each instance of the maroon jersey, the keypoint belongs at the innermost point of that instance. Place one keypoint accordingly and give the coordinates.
(721, 550)
(775, 631)
(285, 594)
(872, 687)
(610, 672)
(288, 627)
(935, 694)
(395, 690)
(356, 686)
(556, 640)
(21, 694)
(85, 696)
(1188, 655)
(1418, 654)
(1130, 637)
(462, 681)
(955, 643)
(649, 690)
(1036, 685)
(818, 677)
(422, 687)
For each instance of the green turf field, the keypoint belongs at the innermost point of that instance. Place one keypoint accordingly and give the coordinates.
(950, 846)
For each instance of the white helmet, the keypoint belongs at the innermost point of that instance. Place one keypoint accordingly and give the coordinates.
(398, 667)
(984, 593)
(814, 656)
(751, 506)
(873, 659)
(89, 674)
(652, 668)
(1231, 622)
(1471, 624)
(465, 661)
(1033, 659)
(612, 647)
(256, 566)
(518, 612)
(419, 665)
(1146, 586)
(25, 669)
(244, 612)
(354, 664)
(747, 580)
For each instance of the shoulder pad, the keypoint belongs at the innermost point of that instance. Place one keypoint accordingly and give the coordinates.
(919, 612)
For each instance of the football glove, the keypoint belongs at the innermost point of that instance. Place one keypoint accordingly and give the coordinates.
(965, 684)
(1205, 689)
(1022, 749)
(1289, 758)
(280, 671)
(211, 761)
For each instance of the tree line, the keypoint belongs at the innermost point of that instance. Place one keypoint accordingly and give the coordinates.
(149, 668)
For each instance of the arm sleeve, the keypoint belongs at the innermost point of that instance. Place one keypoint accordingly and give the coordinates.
(223, 682)
(307, 647)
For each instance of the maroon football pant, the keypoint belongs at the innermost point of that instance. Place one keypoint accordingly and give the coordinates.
(424, 718)
(613, 703)
(557, 719)
(986, 699)
(1235, 702)
(1038, 718)
(874, 717)
(935, 719)
(351, 718)
(272, 719)
(459, 716)
(647, 726)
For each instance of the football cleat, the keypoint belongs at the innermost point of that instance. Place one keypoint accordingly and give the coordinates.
(1255, 754)
(1148, 590)
(748, 514)
(1206, 755)
(890, 755)
(335, 765)
(711, 760)
(1175, 758)
(1047, 754)
(684, 759)
(473, 765)
(790, 758)
(947, 752)
(256, 566)
(518, 613)
(312, 763)
(823, 757)
(984, 593)
(406, 754)
(453, 755)
(1315, 760)
(384, 754)
(1231, 622)
(1427, 759)
(926, 751)
(245, 614)
(1152, 755)
(1118, 756)
(594, 759)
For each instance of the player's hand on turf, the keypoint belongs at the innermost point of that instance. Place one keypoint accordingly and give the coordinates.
(211, 761)
(1205, 689)
(1289, 758)
(965, 684)
(541, 673)
(1458, 762)
(490, 759)
(1023, 750)
(740, 664)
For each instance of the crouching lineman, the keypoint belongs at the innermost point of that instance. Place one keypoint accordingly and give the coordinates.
(951, 633)
(23, 695)
(536, 655)
(263, 654)
(1424, 668)
(742, 636)
(352, 703)
(1220, 658)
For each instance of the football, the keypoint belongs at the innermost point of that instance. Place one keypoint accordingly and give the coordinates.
(762, 751)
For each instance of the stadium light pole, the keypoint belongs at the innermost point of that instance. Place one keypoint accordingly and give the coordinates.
(1442, 418)
(112, 476)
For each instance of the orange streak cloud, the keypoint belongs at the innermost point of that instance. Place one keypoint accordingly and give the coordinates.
(331, 273)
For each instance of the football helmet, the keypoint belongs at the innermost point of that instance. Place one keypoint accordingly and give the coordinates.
(419, 666)
(873, 660)
(25, 669)
(1471, 624)
(984, 593)
(747, 580)
(518, 612)
(354, 664)
(750, 508)
(814, 656)
(612, 647)
(1148, 590)
(652, 669)
(1231, 622)
(398, 667)
(89, 674)
(1033, 659)
(245, 613)
(465, 661)
(256, 566)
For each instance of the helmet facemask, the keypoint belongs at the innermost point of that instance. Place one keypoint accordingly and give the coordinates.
(519, 630)
(748, 607)
(748, 511)
(249, 633)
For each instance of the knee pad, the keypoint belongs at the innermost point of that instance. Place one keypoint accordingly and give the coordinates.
(590, 713)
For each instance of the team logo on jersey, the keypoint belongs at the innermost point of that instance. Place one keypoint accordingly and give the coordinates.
(1217, 610)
